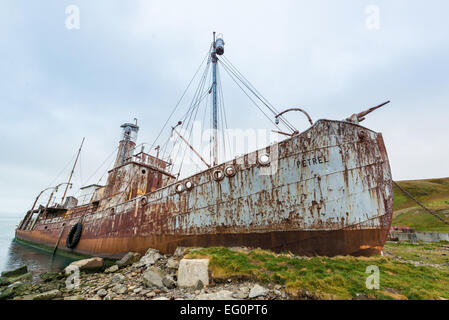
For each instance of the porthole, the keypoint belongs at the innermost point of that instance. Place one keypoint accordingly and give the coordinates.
(229, 171)
(179, 188)
(218, 175)
(264, 159)
(189, 185)
(143, 201)
(144, 171)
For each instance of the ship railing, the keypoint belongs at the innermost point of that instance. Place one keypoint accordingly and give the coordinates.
(41, 206)
(150, 160)
(86, 198)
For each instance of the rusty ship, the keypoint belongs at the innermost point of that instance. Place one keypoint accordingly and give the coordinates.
(324, 191)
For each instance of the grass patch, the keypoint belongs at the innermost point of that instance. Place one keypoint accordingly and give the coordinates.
(429, 253)
(329, 278)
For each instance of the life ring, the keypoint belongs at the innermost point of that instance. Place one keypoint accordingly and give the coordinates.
(74, 235)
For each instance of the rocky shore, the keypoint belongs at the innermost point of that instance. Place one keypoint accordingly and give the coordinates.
(154, 276)
(417, 271)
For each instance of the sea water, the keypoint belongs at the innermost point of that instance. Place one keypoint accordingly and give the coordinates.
(14, 254)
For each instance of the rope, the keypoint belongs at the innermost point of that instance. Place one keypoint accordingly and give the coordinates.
(420, 204)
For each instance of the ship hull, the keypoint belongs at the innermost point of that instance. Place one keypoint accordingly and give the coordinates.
(303, 243)
(326, 192)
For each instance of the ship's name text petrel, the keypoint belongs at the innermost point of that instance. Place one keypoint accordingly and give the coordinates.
(311, 161)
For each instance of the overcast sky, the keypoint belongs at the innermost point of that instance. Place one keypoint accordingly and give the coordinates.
(133, 59)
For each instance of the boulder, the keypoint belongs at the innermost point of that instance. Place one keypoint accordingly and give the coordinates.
(112, 269)
(153, 277)
(240, 295)
(110, 296)
(102, 293)
(15, 273)
(8, 281)
(49, 295)
(179, 252)
(220, 295)
(137, 290)
(199, 285)
(50, 276)
(168, 282)
(6, 294)
(24, 277)
(4, 282)
(118, 278)
(21, 288)
(87, 265)
(192, 270)
(172, 263)
(128, 259)
(257, 291)
(150, 258)
(120, 289)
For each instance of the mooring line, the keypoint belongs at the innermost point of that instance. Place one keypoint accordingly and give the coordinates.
(419, 203)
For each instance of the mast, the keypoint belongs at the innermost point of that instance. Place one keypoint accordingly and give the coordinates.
(214, 106)
(71, 173)
(217, 49)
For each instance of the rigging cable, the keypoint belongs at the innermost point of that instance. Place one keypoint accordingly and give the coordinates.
(107, 158)
(258, 107)
(171, 114)
(223, 116)
(197, 103)
(195, 96)
(254, 91)
(194, 105)
(61, 172)
(180, 99)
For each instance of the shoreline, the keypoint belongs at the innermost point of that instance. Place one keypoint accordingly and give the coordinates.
(236, 273)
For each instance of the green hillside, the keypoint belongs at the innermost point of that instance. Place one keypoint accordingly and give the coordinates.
(433, 193)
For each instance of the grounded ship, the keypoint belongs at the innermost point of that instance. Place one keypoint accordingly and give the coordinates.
(325, 191)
